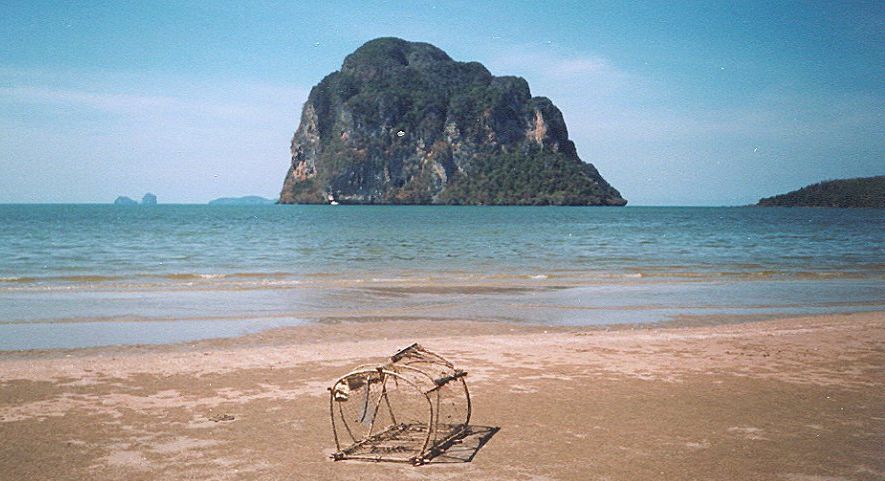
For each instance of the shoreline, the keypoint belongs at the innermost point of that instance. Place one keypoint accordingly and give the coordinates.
(315, 329)
(79, 319)
(798, 399)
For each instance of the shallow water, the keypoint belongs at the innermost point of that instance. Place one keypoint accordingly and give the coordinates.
(72, 274)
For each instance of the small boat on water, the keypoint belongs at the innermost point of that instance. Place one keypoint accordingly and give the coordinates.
(332, 200)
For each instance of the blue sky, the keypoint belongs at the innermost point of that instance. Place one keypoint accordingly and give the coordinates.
(694, 103)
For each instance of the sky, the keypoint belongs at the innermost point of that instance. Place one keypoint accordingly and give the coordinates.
(676, 103)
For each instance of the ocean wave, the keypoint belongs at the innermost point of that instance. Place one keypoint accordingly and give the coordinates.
(61, 279)
(219, 275)
(766, 274)
(18, 279)
(190, 276)
(283, 280)
(399, 279)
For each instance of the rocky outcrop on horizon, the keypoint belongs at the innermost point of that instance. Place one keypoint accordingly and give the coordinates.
(123, 200)
(148, 199)
(403, 123)
(246, 200)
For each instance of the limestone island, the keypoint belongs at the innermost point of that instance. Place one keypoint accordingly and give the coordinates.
(403, 123)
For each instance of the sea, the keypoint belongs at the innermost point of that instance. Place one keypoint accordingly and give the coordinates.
(74, 276)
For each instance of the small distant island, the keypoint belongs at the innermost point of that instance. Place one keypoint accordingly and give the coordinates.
(148, 199)
(123, 200)
(247, 200)
(858, 192)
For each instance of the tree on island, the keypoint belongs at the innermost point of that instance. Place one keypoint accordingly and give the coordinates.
(858, 192)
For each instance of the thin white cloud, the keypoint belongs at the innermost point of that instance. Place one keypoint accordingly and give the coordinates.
(656, 141)
(221, 102)
(114, 102)
(144, 94)
(600, 98)
(545, 67)
(585, 66)
(186, 139)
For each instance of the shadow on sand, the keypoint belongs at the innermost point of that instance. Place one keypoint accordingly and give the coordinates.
(464, 447)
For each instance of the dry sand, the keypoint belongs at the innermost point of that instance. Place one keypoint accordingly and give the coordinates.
(791, 399)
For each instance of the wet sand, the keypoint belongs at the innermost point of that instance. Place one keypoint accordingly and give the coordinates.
(797, 399)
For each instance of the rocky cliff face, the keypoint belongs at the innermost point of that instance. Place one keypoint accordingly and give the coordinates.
(403, 123)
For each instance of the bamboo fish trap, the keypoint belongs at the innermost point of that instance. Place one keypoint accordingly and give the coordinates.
(409, 410)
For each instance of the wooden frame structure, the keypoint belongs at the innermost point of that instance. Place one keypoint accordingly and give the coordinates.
(410, 409)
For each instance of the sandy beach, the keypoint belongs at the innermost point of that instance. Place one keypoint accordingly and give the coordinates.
(796, 399)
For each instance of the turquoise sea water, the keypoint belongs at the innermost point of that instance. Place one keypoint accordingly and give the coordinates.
(78, 275)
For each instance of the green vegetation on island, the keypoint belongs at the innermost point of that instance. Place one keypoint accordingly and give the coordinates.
(858, 192)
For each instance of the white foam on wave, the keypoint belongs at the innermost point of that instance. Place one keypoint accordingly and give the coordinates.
(275, 283)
